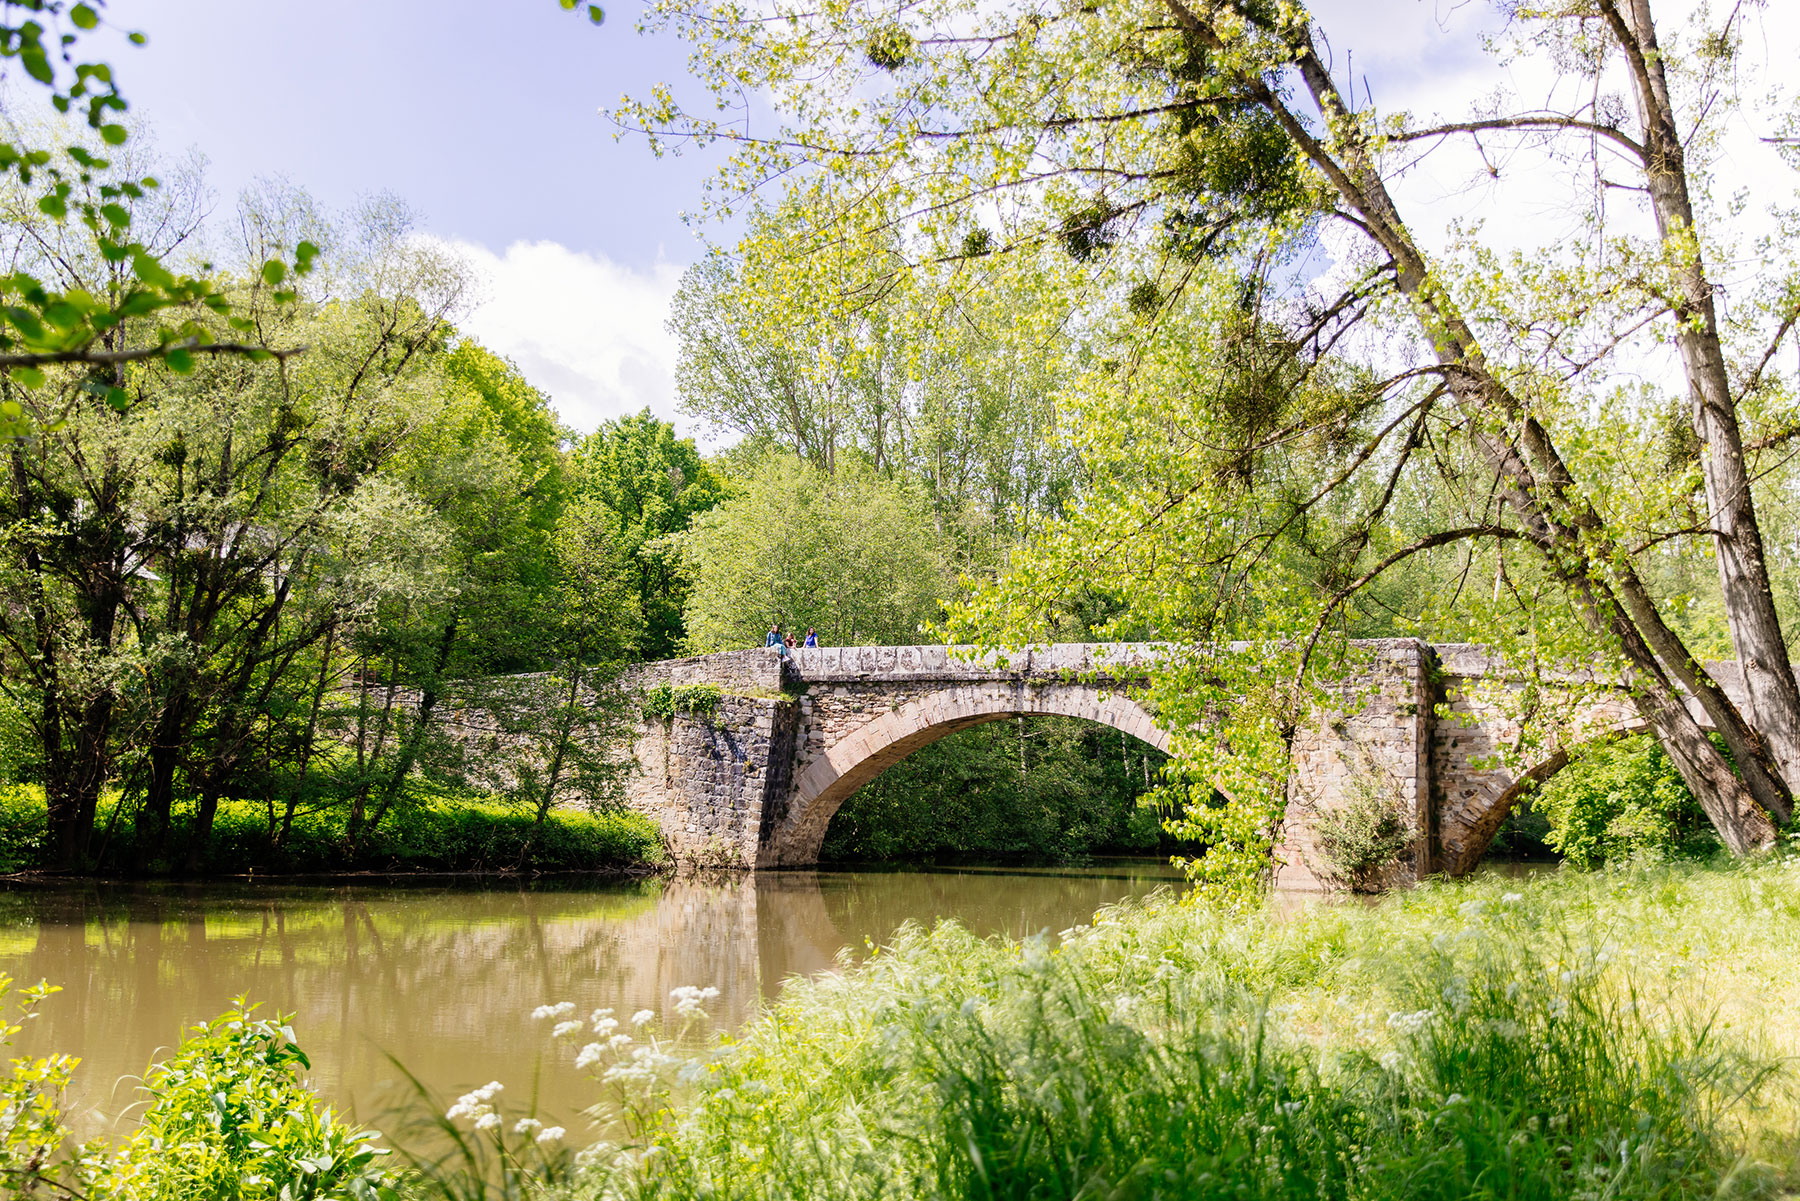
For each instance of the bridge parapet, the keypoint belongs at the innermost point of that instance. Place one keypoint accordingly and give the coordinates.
(905, 664)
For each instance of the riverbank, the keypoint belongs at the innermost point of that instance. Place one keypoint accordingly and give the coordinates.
(1615, 1034)
(426, 835)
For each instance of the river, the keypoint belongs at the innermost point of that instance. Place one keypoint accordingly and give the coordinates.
(443, 978)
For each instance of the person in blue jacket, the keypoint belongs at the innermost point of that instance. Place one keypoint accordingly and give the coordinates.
(812, 639)
(774, 640)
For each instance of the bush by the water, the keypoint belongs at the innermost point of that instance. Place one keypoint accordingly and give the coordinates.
(1620, 1034)
(431, 834)
(229, 1118)
(1045, 789)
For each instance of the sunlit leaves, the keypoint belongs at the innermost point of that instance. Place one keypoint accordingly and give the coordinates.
(38, 326)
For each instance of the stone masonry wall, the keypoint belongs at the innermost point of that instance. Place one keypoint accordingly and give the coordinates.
(1484, 758)
(1371, 740)
(707, 779)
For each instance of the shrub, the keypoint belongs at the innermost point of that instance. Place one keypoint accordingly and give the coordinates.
(229, 1119)
(440, 834)
(1621, 799)
(664, 701)
(1361, 837)
(24, 826)
(31, 1099)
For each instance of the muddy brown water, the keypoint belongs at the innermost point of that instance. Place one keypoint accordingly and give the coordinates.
(443, 978)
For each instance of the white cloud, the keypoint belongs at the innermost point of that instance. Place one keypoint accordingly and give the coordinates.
(585, 330)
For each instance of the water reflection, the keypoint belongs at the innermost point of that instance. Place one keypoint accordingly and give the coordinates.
(443, 978)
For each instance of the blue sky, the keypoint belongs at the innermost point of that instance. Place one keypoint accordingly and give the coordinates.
(482, 115)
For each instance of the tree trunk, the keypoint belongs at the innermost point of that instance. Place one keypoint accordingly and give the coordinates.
(1534, 480)
(1773, 697)
(307, 742)
(409, 752)
(564, 734)
(159, 797)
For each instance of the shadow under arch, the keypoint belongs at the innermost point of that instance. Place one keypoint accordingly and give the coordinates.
(845, 765)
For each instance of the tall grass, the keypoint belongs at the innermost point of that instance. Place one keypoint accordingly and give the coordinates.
(1623, 1034)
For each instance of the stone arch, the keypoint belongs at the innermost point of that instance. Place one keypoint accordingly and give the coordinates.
(795, 836)
(1481, 789)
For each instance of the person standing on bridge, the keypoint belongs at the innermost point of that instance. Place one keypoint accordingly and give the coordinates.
(775, 640)
(812, 639)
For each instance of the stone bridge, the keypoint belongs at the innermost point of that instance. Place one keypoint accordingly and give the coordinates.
(753, 780)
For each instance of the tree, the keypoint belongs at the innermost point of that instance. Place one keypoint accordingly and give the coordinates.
(561, 730)
(1154, 140)
(804, 338)
(170, 560)
(654, 483)
(852, 554)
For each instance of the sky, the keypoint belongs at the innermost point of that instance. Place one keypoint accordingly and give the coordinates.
(484, 118)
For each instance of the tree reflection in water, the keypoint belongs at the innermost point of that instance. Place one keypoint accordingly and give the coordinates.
(445, 978)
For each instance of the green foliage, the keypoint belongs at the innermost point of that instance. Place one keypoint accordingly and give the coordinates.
(1406, 442)
(655, 483)
(1619, 799)
(48, 318)
(24, 827)
(664, 701)
(1487, 1039)
(230, 1118)
(947, 383)
(968, 797)
(425, 834)
(855, 555)
(32, 1132)
(1362, 836)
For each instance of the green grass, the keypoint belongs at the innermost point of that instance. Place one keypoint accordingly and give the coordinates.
(1610, 1035)
(437, 834)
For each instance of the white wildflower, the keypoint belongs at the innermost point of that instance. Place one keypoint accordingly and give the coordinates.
(617, 1041)
(606, 1025)
(477, 1104)
(1512, 898)
(561, 1009)
(526, 1125)
(690, 1001)
(1392, 1061)
(562, 1028)
(551, 1134)
(589, 1055)
(642, 1016)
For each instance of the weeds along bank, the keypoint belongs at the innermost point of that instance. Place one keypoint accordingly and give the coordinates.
(427, 834)
(1619, 1034)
